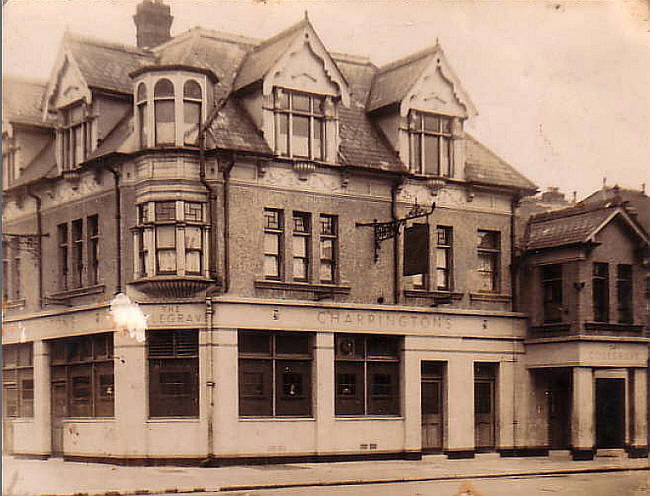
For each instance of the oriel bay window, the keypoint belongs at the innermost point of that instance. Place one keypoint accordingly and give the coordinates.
(275, 374)
(192, 101)
(141, 110)
(489, 249)
(164, 113)
(84, 366)
(552, 292)
(430, 144)
(173, 373)
(299, 124)
(367, 374)
(170, 238)
(17, 380)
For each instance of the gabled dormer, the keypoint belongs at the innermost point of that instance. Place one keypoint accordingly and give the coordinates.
(420, 106)
(293, 90)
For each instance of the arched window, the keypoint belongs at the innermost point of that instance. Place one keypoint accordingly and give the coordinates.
(141, 108)
(192, 98)
(164, 110)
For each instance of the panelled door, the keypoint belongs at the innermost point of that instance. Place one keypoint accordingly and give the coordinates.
(484, 407)
(59, 412)
(432, 406)
(559, 410)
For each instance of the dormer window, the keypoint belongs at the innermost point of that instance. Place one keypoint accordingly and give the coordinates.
(300, 125)
(75, 135)
(164, 112)
(430, 144)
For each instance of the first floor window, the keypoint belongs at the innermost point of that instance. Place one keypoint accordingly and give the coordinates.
(273, 238)
(93, 249)
(17, 380)
(11, 271)
(416, 254)
(301, 246)
(83, 367)
(489, 248)
(444, 258)
(552, 289)
(173, 373)
(625, 294)
(367, 374)
(274, 374)
(600, 289)
(328, 247)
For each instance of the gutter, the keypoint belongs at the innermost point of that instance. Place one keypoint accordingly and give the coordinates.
(118, 225)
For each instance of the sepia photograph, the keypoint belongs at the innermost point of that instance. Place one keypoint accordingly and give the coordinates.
(296, 247)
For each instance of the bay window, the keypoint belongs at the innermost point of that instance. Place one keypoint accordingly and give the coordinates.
(430, 138)
(299, 124)
(192, 100)
(170, 238)
(141, 109)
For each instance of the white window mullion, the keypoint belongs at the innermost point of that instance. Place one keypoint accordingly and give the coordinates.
(151, 250)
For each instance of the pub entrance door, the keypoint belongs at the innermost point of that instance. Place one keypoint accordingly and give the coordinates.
(610, 413)
(432, 390)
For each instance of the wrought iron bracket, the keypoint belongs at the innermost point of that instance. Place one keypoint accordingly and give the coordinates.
(391, 229)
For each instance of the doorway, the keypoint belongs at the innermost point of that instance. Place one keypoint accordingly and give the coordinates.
(484, 406)
(59, 412)
(431, 390)
(610, 413)
(558, 397)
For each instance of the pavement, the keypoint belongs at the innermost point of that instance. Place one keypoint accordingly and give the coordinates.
(21, 477)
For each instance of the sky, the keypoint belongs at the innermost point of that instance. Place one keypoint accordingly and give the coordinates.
(562, 88)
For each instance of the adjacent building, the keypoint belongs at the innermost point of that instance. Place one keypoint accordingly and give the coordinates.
(322, 254)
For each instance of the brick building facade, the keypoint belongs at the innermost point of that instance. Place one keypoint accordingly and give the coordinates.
(322, 253)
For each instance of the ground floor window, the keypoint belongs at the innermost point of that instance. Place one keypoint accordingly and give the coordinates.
(173, 373)
(367, 374)
(83, 366)
(17, 380)
(275, 374)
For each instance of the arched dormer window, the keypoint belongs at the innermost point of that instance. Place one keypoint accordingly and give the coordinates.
(164, 112)
(192, 101)
(141, 106)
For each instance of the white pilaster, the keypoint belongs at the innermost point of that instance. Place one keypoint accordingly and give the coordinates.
(460, 399)
(42, 399)
(582, 414)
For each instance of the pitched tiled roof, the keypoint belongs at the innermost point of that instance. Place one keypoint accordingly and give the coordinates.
(483, 166)
(106, 65)
(262, 58)
(392, 82)
(232, 129)
(568, 226)
(116, 138)
(21, 101)
(358, 72)
(362, 144)
(42, 167)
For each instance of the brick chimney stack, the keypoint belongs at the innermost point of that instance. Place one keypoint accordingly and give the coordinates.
(153, 23)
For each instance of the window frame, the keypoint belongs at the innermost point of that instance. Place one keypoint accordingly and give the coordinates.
(64, 254)
(442, 136)
(75, 134)
(92, 246)
(191, 101)
(328, 235)
(275, 230)
(625, 293)
(158, 101)
(180, 357)
(493, 254)
(15, 373)
(271, 364)
(77, 243)
(141, 105)
(354, 358)
(552, 281)
(88, 357)
(316, 120)
(600, 295)
(301, 236)
(447, 248)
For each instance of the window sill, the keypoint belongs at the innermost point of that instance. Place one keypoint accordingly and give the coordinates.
(366, 418)
(164, 420)
(69, 420)
(320, 289)
(438, 296)
(614, 327)
(172, 285)
(76, 292)
(21, 420)
(14, 304)
(276, 419)
(480, 296)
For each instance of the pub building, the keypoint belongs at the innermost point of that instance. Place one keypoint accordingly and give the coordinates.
(310, 258)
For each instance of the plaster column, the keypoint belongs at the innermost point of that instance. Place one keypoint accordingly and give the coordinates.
(42, 399)
(323, 392)
(506, 406)
(226, 393)
(411, 408)
(460, 401)
(639, 441)
(582, 414)
(131, 401)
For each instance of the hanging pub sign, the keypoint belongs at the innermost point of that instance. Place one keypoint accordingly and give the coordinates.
(416, 249)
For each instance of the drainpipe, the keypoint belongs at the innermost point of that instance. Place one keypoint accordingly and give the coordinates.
(118, 225)
(212, 242)
(39, 244)
(210, 383)
(514, 259)
(393, 214)
(226, 221)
